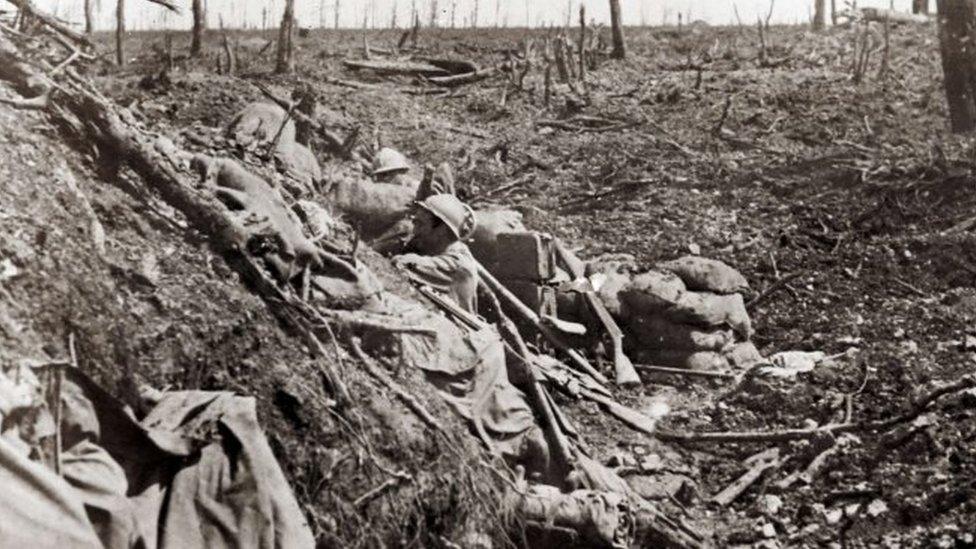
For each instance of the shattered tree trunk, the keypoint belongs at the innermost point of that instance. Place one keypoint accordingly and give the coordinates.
(920, 6)
(833, 12)
(198, 25)
(616, 28)
(286, 61)
(957, 35)
(89, 17)
(120, 33)
(819, 15)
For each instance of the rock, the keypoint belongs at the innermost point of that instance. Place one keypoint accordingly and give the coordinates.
(744, 355)
(768, 530)
(877, 507)
(833, 516)
(789, 363)
(770, 504)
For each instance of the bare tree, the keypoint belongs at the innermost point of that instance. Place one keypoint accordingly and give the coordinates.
(920, 6)
(453, 12)
(89, 17)
(498, 10)
(957, 33)
(474, 14)
(338, 4)
(120, 33)
(833, 12)
(285, 60)
(198, 25)
(433, 14)
(393, 22)
(617, 31)
(819, 15)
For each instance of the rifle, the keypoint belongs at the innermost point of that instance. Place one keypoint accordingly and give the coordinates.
(624, 368)
(550, 328)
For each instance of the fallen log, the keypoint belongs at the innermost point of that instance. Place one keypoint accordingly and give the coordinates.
(25, 7)
(396, 67)
(880, 15)
(453, 66)
(462, 79)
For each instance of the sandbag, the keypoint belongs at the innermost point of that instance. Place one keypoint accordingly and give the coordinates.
(744, 355)
(611, 263)
(371, 208)
(707, 275)
(651, 293)
(257, 123)
(712, 310)
(700, 360)
(240, 190)
(297, 162)
(656, 332)
(488, 225)
(609, 274)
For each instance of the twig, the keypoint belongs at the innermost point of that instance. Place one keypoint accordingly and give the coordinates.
(966, 382)
(408, 400)
(683, 372)
(761, 463)
(390, 483)
(908, 286)
(773, 288)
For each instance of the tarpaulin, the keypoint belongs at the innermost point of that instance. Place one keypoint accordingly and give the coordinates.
(196, 472)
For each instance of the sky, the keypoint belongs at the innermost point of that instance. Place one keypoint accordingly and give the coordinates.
(140, 14)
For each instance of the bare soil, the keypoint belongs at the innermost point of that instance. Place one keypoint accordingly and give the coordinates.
(849, 184)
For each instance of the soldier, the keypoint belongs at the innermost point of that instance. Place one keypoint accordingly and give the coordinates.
(390, 166)
(442, 260)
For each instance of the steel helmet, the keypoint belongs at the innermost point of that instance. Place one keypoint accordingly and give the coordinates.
(455, 214)
(389, 160)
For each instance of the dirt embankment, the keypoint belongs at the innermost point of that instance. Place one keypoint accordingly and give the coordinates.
(94, 254)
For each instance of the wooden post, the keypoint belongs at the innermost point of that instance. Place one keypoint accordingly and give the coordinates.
(819, 15)
(120, 33)
(285, 62)
(616, 29)
(957, 35)
(198, 25)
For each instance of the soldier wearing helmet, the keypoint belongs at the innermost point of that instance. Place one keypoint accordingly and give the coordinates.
(390, 166)
(442, 260)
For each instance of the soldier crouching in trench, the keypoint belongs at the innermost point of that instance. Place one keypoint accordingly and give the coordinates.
(441, 260)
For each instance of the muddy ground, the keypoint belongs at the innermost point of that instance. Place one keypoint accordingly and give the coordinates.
(792, 168)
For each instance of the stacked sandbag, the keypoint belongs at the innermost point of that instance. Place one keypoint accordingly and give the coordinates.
(687, 313)
(257, 124)
(371, 208)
